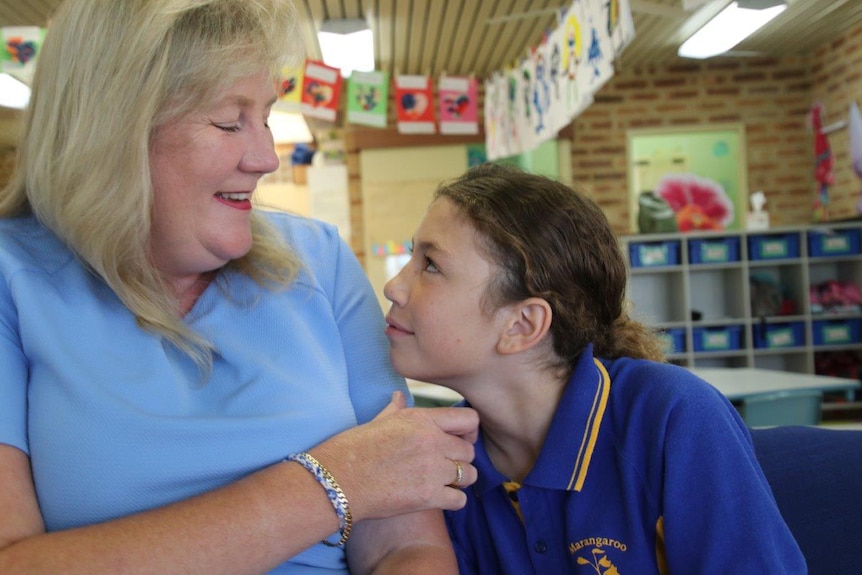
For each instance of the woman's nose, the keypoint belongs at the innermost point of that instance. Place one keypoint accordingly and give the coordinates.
(260, 156)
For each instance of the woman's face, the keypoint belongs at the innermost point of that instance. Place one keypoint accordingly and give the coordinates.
(205, 167)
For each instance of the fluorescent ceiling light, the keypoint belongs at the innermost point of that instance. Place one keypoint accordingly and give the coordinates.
(730, 27)
(289, 128)
(347, 45)
(13, 92)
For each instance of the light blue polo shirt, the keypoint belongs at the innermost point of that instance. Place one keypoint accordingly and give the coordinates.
(646, 469)
(116, 421)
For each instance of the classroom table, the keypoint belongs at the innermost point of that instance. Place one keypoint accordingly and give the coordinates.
(736, 383)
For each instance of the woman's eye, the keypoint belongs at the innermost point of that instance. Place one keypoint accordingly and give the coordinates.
(227, 127)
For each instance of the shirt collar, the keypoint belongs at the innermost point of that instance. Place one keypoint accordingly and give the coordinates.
(568, 449)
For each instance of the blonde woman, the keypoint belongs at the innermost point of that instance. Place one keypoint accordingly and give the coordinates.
(189, 385)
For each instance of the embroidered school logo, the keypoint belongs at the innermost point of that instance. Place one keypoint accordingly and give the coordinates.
(593, 552)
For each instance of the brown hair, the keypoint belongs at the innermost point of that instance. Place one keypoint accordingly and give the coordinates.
(555, 243)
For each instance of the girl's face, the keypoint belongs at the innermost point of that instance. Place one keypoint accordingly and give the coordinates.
(437, 327)
(205, 167)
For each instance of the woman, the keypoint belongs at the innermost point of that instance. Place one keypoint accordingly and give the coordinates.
(189, 385)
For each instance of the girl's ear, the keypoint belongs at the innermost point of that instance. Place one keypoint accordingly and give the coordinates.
(526, 326)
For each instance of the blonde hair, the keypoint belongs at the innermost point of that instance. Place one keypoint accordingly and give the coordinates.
(109, 73)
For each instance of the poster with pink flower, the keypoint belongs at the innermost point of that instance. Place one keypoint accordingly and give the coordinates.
(699, 172)
(458, 109)
(414, 105)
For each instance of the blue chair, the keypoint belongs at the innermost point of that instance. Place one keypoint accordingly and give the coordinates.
(816, 478)
(791, 407)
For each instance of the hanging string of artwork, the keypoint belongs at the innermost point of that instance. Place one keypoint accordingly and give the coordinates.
(525, 104)
(531, 102)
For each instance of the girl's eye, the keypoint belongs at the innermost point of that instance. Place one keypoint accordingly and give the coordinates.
(430, 266)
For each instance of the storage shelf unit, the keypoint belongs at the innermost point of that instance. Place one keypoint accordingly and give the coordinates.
(696, 288)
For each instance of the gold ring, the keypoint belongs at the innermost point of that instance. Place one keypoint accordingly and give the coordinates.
(459, 474)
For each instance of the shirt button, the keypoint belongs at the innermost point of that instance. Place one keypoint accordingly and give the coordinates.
(540, 546)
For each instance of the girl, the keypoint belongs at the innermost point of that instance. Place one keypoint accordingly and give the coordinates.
(594, 455)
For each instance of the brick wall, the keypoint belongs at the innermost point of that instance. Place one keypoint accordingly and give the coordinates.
(771, 97)
(837, 81)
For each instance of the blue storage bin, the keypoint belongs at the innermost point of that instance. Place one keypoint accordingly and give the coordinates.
(713, 250)
(836, 331)
(778, 335)
(718, 338)
(651, 254)
(838, 242)
(773, 246)
(674, 340)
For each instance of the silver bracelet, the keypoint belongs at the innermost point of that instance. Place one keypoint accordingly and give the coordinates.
(333, 492)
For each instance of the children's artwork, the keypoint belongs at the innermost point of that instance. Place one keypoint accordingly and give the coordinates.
(700, 172)
(854, 125)
(525, 77)
(600, 49)
(290, 88)
(321, 90)
(574, 35)
(458, 108)
(21, 45)
(493, 112)
(367, 98)
(540, 95)
(621, 26)
(556, 81)
(414, 101)
(823, 163)
(558, 113)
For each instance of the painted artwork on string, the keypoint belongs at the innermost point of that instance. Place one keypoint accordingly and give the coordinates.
(290, 88)
(854, 125)
(493, 111)
(414, 105)
(367, 98)
(525, 77)
(458, 106)
(621, 27)
(600, 50)
(21, 46)
(321, 90)
(701, 172)
(511, 88)
(540, 95)
(575, 33)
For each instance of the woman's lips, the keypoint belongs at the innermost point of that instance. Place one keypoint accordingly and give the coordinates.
(235, 200)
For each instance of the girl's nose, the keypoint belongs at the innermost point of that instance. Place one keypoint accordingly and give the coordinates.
(394, 290)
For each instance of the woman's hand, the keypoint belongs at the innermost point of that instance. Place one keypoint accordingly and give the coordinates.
(404, 460)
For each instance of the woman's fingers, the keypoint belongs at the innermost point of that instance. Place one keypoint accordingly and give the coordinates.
(460, 421)
(404, 460)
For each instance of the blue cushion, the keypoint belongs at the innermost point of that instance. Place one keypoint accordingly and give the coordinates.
(816, 477)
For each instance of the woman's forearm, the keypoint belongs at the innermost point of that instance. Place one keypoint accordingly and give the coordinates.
(248, 527)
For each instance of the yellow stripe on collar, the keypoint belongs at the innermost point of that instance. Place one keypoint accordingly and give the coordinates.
(591, 433)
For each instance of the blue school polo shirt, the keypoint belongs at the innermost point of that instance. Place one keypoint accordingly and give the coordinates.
(646, 469)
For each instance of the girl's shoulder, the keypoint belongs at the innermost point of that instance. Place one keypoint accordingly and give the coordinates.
(656, 383)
